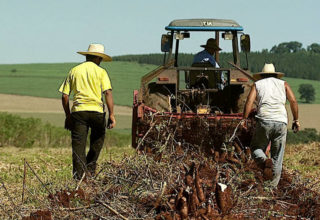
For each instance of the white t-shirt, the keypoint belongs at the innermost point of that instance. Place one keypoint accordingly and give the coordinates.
(271, 97)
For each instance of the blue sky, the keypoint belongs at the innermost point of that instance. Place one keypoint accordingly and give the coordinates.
(49, 31)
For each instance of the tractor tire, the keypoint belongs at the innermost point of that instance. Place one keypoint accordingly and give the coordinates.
(237, 98)
(158, 97)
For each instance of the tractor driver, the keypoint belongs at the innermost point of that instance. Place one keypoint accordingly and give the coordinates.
(206, 56)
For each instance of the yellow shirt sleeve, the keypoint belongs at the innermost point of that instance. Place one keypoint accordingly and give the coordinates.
(105, 83)
(65, 86)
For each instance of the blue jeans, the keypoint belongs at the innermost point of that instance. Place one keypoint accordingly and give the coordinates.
(276, 133)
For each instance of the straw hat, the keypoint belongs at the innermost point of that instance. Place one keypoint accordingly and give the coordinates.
(211, 43)
(268, 69)
(97, 50)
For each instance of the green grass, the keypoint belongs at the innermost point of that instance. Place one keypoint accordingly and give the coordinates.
(57, 119)
(33, 79)
(52, 165)
(294, 84)
(48, 151)
(32, 132)
(126, 77)
(43, 80)
(303, 158)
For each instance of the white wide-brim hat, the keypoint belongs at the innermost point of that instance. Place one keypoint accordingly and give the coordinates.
(268, 69)
(97, 50)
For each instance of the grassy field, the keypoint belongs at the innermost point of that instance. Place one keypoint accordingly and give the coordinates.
(43, 80)
(304, 158)
(52, 165)
(57, 119)
(294, 84)
(32, 132)
(308, 118)
(47, 150)
(51, 161)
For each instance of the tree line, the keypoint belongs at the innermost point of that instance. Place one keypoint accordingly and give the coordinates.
(288, 57)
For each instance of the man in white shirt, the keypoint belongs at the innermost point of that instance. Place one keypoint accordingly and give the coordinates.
(271, 94)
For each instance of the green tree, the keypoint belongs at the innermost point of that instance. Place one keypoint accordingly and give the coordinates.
(307, 92)
(314, 48)
(294, 46)
(287, 47)
(281, 48)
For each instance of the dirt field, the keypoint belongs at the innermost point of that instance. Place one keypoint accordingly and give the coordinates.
(308, 115)
(51, 109)
(16, 103)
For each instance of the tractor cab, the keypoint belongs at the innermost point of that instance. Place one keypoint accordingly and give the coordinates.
(181, 29)
(198, 87)
(200, 103)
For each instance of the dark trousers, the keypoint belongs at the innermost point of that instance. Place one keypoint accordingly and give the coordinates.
(82, 121)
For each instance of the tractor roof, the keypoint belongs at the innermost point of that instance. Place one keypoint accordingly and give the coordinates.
(203, 25)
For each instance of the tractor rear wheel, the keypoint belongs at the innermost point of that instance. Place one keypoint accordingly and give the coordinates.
(243, 98)
(158, 97)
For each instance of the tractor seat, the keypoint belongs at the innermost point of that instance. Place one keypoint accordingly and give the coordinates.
(202, 79)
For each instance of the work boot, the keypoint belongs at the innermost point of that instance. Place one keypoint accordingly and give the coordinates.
(91, 169)
(267, 171)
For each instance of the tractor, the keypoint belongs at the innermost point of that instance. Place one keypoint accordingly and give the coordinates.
(198, 108)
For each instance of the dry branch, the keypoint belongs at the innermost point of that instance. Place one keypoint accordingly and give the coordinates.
(112, 210)
(44, 186)
(24, 179)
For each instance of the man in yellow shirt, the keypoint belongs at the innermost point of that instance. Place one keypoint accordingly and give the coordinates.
(88, 82)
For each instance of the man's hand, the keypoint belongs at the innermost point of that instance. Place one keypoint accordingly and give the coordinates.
(68, 123)
(294, 108)
(65, 103)
(109, 101)
(111, 122)
(295, 126)
(244, 124)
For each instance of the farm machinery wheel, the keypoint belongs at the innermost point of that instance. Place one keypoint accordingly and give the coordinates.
(134, 126)
(243, 97)
(158, 97)
(239, 97)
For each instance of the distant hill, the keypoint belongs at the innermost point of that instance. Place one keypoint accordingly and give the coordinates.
(303, 64)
